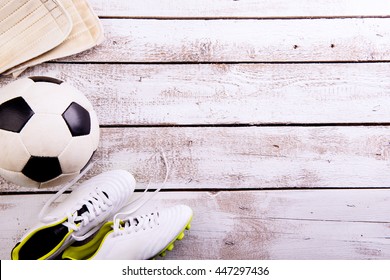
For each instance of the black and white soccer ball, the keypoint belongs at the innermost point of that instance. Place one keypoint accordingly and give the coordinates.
(49, 132)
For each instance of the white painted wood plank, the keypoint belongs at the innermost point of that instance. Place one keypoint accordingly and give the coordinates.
(247, 157)
(241, 40)
(230, 94)
(321, 224)
(247, 8)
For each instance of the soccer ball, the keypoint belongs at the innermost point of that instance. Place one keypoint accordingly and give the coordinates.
(48, 132)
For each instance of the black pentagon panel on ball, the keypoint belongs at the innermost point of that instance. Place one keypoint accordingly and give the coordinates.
(14, 114)
(43, 79)
(78, 120)
(42, 169)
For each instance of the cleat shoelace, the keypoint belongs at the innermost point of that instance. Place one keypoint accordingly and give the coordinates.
(135, 224)
(93, 206)
(42, 213)
(89, 208)
(97, 203)
(129, 224)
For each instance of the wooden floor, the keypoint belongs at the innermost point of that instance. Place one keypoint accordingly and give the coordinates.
(274, 116)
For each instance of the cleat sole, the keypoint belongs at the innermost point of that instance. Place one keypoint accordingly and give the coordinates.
(171, 245)
(181, 236)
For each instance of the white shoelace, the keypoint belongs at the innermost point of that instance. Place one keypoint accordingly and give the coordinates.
(96, 206)
(42, 214)
(142, 218)
(134, 224)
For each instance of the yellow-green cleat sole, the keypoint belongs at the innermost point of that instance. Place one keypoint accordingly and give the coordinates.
(171, 245)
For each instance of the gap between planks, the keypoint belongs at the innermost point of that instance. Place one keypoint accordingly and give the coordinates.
(241, 40)
(247, 157)
(242, 17)
(321, 224)
(163, 63)
(239, 9)
(215, 95)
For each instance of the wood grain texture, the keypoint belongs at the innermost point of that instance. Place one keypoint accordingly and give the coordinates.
(321, 224)
(230, 94)
(247, 157)
(316, 190)
(238, 9)
(145, 41)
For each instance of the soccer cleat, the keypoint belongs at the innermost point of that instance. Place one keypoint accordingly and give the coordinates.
(79, 216)
(135, 238)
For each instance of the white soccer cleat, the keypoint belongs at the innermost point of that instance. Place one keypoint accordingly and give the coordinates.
(79, 216)
(135, 238)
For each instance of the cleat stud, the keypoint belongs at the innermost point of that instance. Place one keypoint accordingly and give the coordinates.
(181, 236)
(188, 226)
(163, 254)
(170, 247)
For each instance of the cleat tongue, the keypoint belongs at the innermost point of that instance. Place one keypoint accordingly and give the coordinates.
(82, 210)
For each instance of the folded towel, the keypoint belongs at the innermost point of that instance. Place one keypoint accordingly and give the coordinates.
(29, 28)
(86, 33)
